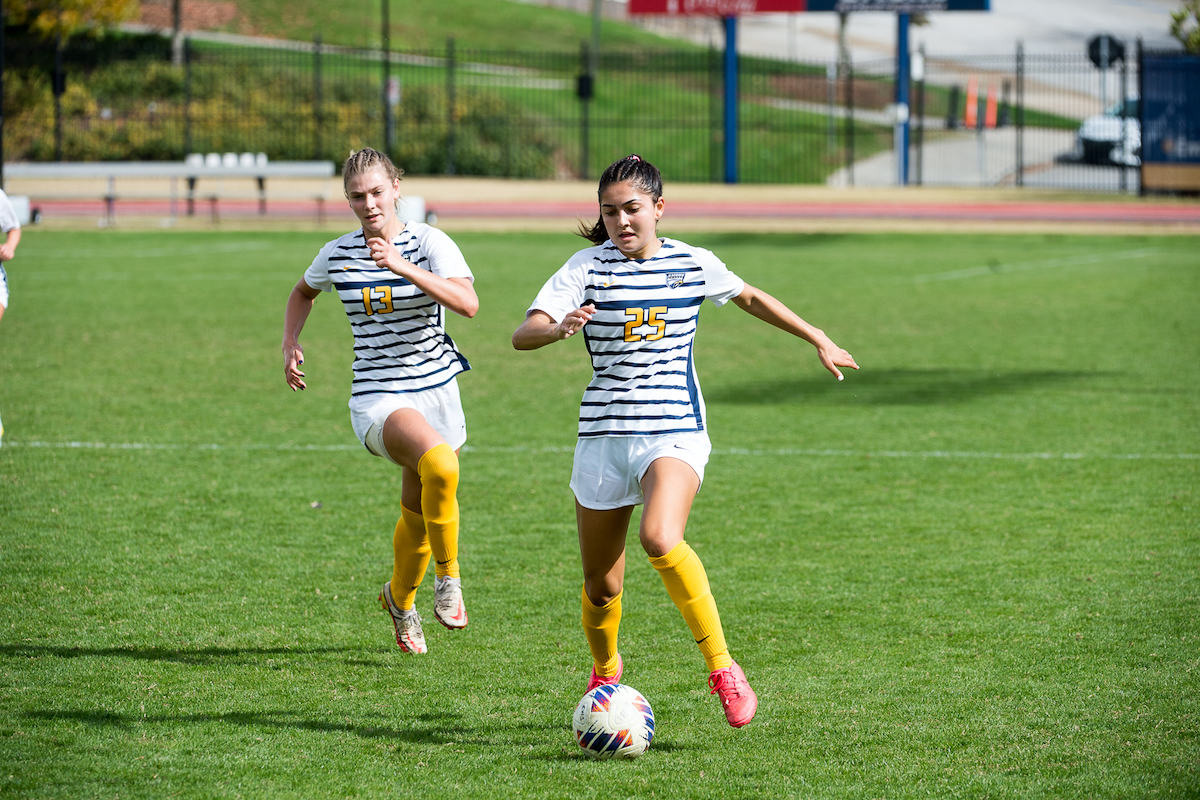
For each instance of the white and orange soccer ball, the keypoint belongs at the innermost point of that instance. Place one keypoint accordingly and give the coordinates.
(613, 721)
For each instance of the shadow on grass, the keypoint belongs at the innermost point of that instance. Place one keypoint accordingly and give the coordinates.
(202, 655)
(897, 387)
(573, 753)
(440, 728)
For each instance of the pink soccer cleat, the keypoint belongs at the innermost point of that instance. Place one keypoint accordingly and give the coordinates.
(606, 680)
(738, 699)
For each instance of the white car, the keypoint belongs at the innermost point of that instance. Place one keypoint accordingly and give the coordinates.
(1114, 137)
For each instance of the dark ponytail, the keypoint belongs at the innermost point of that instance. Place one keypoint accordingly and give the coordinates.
(632, 168)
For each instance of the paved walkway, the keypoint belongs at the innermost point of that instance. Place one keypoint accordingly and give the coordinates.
(964, 158)
(1060, 26)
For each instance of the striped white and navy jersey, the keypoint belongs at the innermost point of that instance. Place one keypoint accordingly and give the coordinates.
(400, 340)
(640, 339)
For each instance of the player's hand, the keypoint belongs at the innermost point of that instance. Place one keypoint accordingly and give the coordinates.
(7, 252)
(833, 357)
(385, 255)
(293, 357)
(573, 323)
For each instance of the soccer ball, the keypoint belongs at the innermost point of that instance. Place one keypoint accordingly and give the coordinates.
(613, 721)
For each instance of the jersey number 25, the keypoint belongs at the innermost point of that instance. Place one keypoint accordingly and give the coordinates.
(637, 317)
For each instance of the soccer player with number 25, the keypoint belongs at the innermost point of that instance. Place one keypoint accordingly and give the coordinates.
(395, 280)
(642, 437)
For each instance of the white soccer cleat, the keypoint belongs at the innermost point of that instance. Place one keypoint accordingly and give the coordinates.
(407, 621)
(448, 603)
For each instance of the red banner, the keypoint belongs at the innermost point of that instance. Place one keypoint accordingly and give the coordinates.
(714, 8)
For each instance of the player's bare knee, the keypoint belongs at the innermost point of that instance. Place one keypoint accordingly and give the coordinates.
(600, 592)
(658, 541)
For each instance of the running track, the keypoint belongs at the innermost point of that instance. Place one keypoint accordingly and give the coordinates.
(1144, 213)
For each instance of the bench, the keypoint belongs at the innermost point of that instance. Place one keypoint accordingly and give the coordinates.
(196, 168)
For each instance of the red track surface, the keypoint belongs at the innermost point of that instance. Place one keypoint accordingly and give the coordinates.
(1099, 212)
(1077, 212)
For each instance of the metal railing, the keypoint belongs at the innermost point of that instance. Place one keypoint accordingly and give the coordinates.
(1016, 120)
(981, 121)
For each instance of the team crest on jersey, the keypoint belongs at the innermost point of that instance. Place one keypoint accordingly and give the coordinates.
(674, 280)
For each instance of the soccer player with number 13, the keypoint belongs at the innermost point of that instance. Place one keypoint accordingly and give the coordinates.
(395, 281)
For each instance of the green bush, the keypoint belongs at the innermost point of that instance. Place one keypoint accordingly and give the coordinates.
(138, 110)
(492, 136)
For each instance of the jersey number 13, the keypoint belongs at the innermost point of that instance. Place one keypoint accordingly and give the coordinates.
(381, 294)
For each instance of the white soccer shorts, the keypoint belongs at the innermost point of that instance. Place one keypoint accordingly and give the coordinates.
(441, 407)
(608, 470)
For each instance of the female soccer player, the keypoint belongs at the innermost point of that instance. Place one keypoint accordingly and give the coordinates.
(642, 435)
(12, 237)
(394, 280)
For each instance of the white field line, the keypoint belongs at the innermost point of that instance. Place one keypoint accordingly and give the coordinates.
(732, 451)
(1029, 266)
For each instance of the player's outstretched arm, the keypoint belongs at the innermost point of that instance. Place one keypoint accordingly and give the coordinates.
(759, 304)
(299, 306)
(539, 328)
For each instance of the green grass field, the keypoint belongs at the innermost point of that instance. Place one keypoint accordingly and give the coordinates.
(970, 570)
(419, 24)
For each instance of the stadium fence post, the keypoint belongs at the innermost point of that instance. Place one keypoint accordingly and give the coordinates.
(1020, 113)
(1141, 81)
(187, 95)
(584, 91)
(388, 136)
(831, 103)
(732, 78)
(3, 22)
(60, 81)
(450, 102)
(1123, 186)
(714, 113)
(920, 143)
(849, 120)
(317, 96)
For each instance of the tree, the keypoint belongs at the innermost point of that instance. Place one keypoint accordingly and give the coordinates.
(1185, 25)
(55, 20)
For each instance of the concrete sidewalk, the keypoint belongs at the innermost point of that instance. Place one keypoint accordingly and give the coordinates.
(965, 158)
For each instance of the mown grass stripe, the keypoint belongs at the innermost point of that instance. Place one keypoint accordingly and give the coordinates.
(732, 451)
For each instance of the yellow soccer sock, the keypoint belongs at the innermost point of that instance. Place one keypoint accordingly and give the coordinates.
(411, 548)
(687, 584)
(600, 624)
(438, 469)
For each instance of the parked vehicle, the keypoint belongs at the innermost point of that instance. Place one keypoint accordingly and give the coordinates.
(1114, 137)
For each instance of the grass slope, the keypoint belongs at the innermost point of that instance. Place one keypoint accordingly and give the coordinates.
(968, 570)
(425, 24)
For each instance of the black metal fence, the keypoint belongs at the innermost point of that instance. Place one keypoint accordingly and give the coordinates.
(1027, 120)
(977, 121)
